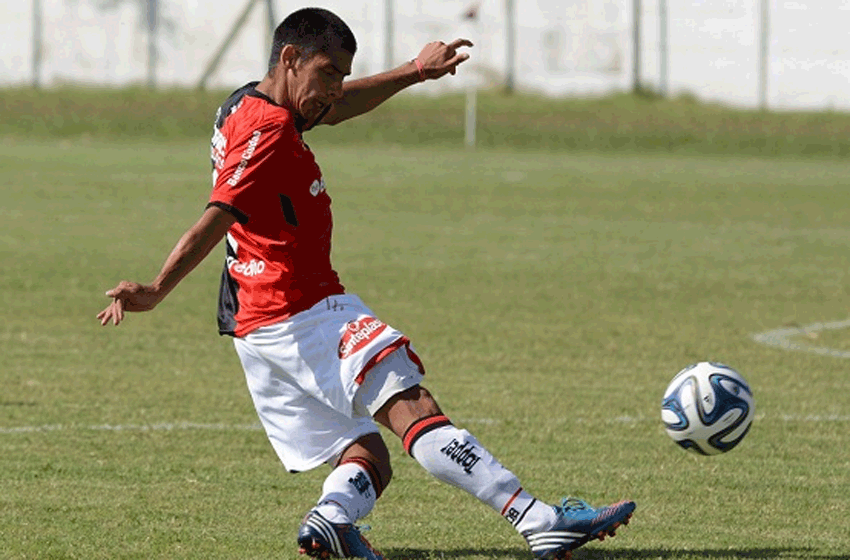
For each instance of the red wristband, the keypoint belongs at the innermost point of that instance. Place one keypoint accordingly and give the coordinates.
(421, 69)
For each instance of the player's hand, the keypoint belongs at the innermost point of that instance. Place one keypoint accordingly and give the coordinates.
(128, 296)
(439, 59)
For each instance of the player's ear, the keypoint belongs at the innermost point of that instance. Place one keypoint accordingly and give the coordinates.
(289, 56)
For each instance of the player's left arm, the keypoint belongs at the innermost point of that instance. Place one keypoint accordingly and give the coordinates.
(362, 95)
(191, 249)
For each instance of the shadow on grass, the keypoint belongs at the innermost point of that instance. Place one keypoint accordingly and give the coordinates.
(518, 553)
(754, 553)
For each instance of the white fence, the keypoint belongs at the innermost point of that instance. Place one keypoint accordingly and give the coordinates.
(561, 47)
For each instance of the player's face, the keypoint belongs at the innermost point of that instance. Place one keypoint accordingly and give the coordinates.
(318, 82)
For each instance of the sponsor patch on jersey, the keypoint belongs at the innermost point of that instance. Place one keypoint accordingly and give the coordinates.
(247, 154)
(252, 268)
(358, 334)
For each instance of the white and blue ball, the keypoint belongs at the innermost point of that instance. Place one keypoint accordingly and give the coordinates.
(708, 408)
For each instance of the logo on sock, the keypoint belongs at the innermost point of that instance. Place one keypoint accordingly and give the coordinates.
(461, 453)
(360, 482)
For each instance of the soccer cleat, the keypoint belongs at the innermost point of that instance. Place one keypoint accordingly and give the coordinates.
(577, 524)
(320, 538)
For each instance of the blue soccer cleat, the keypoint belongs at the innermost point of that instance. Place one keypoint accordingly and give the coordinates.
(577, 524)
(320, 538)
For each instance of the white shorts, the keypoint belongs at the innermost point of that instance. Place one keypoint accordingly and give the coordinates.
(318, 377)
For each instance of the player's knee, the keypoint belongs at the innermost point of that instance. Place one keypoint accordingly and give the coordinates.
(416, 401)
(427, 400)
(406, 407)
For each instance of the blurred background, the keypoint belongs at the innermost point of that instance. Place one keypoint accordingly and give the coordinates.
(778, 54)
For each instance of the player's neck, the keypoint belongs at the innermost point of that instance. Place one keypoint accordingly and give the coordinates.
(274, 90)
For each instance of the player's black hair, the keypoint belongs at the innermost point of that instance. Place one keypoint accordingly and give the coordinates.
(312, 30)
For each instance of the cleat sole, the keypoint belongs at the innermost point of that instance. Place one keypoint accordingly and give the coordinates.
(607, 531)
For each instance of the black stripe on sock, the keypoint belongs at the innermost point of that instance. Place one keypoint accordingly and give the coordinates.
(522, 515)
(421, 427)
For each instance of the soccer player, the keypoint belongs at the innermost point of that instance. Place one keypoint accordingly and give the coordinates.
(322, 369)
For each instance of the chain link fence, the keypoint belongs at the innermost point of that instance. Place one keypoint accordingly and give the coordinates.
(775, 53)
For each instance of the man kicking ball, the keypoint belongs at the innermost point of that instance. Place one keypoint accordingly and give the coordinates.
(322, 369)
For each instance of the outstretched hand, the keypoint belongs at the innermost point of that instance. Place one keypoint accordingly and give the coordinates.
(128, 296)
(439, 59)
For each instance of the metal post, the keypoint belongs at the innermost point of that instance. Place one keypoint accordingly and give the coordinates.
(152, 54)
(36, 44)
(271, 21)
(471, 115)
(764, 54)
(636, 86)
(510, 46)
(389, 35)
(219, 54)
(664, 49)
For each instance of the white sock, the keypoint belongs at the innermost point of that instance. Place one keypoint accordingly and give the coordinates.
(454, 456)
(349, 492)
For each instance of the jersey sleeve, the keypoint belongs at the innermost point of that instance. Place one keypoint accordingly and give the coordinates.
(256, 157)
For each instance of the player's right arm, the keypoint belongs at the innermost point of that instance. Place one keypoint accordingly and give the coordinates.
(190, 250)
(362, 95)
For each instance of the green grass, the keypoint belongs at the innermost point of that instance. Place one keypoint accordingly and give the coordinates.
(622, 123)
(551, 295)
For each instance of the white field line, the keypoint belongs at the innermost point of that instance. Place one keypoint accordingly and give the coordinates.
(782, 338)
(187, 426)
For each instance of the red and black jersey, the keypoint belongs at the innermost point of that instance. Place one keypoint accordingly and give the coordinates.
(278, 252)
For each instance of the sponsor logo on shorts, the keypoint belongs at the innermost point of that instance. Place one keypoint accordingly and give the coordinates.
(462, 453)
(358, 334)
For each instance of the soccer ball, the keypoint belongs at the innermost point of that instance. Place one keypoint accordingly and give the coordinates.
(708, 408)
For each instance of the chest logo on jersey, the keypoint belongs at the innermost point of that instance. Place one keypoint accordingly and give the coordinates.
(318, 187)
(358, 334)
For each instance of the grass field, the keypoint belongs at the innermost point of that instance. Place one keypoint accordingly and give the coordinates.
(551, 293)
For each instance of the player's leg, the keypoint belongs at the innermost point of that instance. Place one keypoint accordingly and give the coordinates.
(360, 474)
(357, 480)
(361, 471)
(342, 503)
(450, 454)
(306, 433)
(456, 457)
